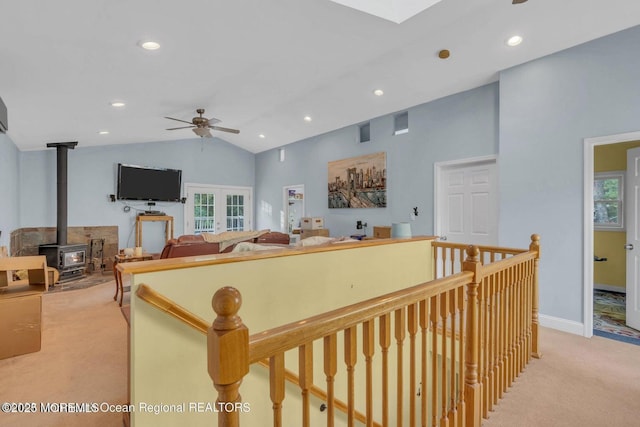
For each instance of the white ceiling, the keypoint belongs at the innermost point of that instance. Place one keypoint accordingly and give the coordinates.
(259, 66)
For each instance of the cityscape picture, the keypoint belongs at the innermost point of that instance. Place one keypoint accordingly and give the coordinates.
(358, 182)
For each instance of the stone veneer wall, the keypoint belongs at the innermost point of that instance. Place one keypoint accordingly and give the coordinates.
(25, 241)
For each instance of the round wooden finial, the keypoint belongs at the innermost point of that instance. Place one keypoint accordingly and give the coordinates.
(473, 253)
(535, 238)
(226, 302)
(444, 54)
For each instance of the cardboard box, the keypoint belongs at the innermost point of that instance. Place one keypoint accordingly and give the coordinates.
(381, 232)
(310, 233)
(309, 223)
(20, 321)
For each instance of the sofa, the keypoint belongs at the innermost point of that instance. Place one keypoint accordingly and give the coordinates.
(193, 245)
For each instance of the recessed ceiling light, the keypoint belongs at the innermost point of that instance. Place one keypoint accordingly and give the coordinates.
(261, 136)
(150, 45)
(103, 132)
(307, 118)
(514, 41)
(378, 92)
(117, 104)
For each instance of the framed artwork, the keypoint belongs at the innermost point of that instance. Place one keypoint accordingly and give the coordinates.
(358, 182)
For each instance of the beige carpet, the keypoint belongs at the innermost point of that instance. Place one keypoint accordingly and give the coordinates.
(578, 382)
(83, 359)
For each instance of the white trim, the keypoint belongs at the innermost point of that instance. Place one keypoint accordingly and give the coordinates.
(587, 250)
(438, 169)
(564, 325)
(612, 288)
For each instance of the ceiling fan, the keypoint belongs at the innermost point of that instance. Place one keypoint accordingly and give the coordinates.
(201, 125)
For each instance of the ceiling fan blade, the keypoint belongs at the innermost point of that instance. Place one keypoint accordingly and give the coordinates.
(178, 120)
(225, 129)
(213, 121)
(182, 127)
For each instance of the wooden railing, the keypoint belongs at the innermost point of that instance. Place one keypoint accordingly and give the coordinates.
(449, 257)
(460, 341)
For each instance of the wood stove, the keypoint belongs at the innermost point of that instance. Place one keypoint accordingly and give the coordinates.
(69, 259)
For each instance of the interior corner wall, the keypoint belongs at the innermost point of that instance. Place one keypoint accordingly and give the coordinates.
(92, 178)
(9, 166)
(463, 125)
(547, 108)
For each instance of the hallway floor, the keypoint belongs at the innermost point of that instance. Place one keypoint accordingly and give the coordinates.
(609, 317)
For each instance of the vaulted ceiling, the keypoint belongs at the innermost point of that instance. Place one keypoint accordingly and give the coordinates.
(260, 66)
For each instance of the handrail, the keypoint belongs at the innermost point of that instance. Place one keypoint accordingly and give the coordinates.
(286, 337)
(163, 303)
(500, 249)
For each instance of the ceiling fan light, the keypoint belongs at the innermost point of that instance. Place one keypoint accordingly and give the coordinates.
(201, 132)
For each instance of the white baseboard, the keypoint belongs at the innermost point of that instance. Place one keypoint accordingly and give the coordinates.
(563, 325)
(612, 288)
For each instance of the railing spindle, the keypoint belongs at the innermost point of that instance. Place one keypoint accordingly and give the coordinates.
(444, 420)
(400, 327)
(305, 369)
(452, 381)
(276, 386)
(368, 349)
(330, 369)
(435, 310)
(385, 343)
(350, 358)
(412, 324)
(424, 327)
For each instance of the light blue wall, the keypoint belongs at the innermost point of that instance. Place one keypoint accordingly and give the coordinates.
(92, 178)
(9, 184)
(547, 108)
(459, 126)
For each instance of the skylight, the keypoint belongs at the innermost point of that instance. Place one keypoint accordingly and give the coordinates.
(392, 10)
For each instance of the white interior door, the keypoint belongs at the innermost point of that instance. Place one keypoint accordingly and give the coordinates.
(215, 209)
(633, 237)
(467, 201)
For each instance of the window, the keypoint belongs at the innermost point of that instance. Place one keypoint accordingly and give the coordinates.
(608, 196)
(401, 123)
(365, 132)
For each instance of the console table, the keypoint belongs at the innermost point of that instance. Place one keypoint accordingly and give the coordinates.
(142, 218)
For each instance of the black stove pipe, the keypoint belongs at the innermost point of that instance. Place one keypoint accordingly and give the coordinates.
(62, 149)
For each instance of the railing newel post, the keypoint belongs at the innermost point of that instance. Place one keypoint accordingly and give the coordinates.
(227, 354)
(535, 247)
(473, 389)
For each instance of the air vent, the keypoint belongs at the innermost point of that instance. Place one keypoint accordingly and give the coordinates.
(365, 132)
(401, 123)
(4, 123)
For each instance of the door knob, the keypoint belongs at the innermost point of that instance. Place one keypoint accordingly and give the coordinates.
(628, 246)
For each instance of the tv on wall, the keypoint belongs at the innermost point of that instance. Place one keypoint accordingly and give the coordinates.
(150, 184)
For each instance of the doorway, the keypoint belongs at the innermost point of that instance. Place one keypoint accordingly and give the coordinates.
(466, 201)
(217, 208)
(588, 220)
(293, 209)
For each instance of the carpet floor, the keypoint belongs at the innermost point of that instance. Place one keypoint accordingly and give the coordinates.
(609, 309)
(83, 359)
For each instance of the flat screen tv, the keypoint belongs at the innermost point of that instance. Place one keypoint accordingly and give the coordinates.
(150, 184)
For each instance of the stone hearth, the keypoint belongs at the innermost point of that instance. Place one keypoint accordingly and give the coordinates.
(26, 241)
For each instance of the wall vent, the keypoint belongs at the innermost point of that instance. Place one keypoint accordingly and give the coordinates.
(365, 132)
(4, 122)
(401, 123)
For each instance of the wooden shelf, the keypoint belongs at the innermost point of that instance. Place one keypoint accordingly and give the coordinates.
(143, 218)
